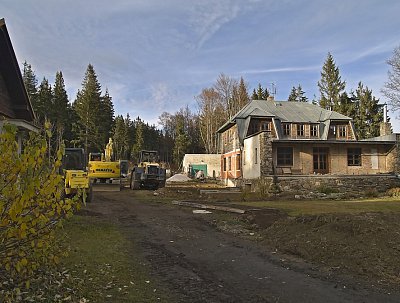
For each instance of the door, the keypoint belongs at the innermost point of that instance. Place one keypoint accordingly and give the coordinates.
(320, 160)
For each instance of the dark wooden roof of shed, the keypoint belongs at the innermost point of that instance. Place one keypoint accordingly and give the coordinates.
(14, 103)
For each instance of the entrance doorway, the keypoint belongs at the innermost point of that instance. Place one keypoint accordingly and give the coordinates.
(320, 160)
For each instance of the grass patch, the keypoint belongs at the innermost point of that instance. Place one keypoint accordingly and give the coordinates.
(103, 265)
(295, 208)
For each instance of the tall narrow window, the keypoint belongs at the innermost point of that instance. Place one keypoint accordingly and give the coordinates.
(286, 129)
(342, 131)
(300, 130)
(255, 155)
(230, 163)
(224, 164)
(314, 130)
(238, 162)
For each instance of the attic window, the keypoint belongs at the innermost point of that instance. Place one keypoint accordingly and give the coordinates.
(342, 131)
(300, 130)
(286, 129)
(314, 130)
(265, 125)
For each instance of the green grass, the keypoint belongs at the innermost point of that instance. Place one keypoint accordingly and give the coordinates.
(103, 264)
(295, 208)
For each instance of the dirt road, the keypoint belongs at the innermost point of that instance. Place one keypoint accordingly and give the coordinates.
(198, 263)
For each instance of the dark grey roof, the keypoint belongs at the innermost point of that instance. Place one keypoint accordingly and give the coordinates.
(14, 103)
(300, 112)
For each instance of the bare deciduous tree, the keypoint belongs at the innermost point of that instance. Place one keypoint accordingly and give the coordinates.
(391, 90)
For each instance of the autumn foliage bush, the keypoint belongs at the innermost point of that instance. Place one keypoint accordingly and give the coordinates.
(31, 208)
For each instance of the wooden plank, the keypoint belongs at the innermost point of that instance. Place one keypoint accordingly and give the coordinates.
(206, 206)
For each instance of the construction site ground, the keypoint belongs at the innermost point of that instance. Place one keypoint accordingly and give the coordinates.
(278, 250)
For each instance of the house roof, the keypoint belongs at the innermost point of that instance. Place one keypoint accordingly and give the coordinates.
(298, 112)
(14, 100)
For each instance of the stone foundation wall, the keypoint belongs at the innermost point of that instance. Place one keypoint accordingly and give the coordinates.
(355, 185)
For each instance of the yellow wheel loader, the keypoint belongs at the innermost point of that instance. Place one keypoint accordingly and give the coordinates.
(104, 173)
(148, 173)
(75, 175)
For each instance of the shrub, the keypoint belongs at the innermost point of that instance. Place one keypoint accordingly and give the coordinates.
(30, 207)
(327, 190)
(394, 192)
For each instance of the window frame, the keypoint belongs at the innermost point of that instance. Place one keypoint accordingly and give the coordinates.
(300, 130)
(314, 130)
(354, 156)
(342, 129)
(284, 156)
(286, 129)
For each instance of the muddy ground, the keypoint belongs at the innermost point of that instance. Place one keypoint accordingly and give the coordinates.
(222, 257)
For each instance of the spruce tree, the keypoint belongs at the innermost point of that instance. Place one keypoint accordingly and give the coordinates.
(43, 100)
(260, 92)
(139, 140)
(105, 119)
(120, 138)
(87, 106)
(331, 85)
(368, 113)
(62, 116)
(30, 83)
(254, 96)
(293, 95)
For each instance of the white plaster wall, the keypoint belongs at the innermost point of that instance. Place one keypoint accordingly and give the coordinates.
(251, 170)
(213, 162)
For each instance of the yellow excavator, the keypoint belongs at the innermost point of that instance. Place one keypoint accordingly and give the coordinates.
(75, 175)
(104, 172)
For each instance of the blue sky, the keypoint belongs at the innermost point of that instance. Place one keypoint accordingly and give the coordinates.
(157, 55)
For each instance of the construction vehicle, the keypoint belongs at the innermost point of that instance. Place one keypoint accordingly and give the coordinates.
(104, 172)
(148, 173)
(75, 175)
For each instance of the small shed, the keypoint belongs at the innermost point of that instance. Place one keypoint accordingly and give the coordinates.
(210, 164)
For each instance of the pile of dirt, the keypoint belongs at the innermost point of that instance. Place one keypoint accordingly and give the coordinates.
(366, 245)
(178, 178)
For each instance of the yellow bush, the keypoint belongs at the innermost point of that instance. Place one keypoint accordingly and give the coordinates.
(30, 206)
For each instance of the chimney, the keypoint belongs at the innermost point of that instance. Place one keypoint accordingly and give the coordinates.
(385, 128)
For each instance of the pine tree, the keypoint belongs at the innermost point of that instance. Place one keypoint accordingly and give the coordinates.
(61, 110)
(368, 113)
(293, 95)
(121, 138)
(43, 99)
(260, 92)
(331, 85)
(254, 96)
(30, 83)
(139, 140)
(105, 119)
(266, 94)
(181, 142)
(87, 106)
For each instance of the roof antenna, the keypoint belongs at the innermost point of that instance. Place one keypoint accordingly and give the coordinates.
(273, 90)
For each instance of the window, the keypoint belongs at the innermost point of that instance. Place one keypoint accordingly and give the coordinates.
(255, 156)
(230, 163)
(300, 130)
(285, 156)
(314, 130)
(224, 164)
(265, 125)
(286, 129)
(342, 131)
(238, 162)
(254, 127)
(354, 156)
(244, 157)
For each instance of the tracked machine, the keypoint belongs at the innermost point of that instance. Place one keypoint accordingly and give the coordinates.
(148, 173)
(76, 177)
(104, 172)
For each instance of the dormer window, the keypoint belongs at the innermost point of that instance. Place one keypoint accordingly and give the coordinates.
(342, 131)
(265, 125)
(314, 130)
(300, 130)
(286, 129)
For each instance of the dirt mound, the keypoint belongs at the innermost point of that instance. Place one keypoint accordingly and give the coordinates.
(179, 178)
(364, 245)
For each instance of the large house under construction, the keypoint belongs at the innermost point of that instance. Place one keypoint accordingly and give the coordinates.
(280, 138)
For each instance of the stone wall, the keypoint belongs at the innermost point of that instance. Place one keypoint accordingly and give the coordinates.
(266, 163)
(352, 185)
